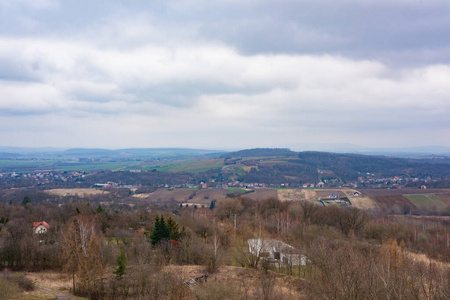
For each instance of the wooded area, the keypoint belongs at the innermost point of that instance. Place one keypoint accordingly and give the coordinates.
(130, 252)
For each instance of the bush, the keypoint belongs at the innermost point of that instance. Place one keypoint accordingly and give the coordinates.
(11, 284)
(24, 283)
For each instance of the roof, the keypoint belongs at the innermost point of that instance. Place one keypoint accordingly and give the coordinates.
(266, 245)
(43, 223)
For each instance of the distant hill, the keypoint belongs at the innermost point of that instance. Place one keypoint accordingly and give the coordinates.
(16, 152)
(259, 152)
(350, 166)
(284, 165)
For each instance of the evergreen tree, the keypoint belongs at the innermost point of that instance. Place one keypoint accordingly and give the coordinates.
(174, 233)
(26, 200)
(213, 204)
(100, 209)
(163, 231)
(121, 264)
(160, 231)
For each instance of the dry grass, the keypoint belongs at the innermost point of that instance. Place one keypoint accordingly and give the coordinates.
(247, 281)
(49, 285)
(297, 195)
(52, 280)
(364, 203)
(361, 202)
(262, 193)
(142, 196)
(74, 192)
(290, 195)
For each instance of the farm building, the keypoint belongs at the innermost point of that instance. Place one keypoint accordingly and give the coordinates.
(276, 251)
(40, 227)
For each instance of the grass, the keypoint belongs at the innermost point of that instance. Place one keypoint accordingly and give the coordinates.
(194, 166)
(237, 191)
(426, 201)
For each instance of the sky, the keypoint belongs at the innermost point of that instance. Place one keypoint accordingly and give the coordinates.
(300, 74)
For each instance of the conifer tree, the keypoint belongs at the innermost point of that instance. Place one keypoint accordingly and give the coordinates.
(163, 231)
(121, 264)
(174, 232)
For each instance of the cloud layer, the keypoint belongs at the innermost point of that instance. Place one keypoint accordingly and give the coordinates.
(224, 75)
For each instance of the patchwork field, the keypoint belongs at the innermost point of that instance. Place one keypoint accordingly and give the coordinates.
(394, 203)
(427, 201)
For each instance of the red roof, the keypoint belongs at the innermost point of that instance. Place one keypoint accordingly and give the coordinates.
(43, 223)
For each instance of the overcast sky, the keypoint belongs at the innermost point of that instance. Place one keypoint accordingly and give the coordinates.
(301, 74)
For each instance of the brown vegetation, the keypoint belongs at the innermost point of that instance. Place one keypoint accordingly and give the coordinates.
(123, 252)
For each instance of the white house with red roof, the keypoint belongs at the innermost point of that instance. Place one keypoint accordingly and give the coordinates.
(40, 227)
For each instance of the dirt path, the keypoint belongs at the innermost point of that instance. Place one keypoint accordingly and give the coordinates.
(52, 285)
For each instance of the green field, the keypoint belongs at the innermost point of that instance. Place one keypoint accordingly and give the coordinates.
(237, 191)
(426, 201)
(194, 166)
(23, 166)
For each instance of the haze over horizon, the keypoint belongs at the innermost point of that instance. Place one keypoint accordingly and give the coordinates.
(225, 74)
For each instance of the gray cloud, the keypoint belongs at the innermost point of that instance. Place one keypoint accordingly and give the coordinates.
(224, 74)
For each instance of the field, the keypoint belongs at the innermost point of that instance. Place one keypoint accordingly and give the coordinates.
(193, 166)
(176, 195)
(191, 196)
(403, 191)
(394, 203)
(261, 194)
(294, 195)
(427, 201)
(74, 192)
(65, 165)
(205, 196)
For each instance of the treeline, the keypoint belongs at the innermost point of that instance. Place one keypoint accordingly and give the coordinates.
(118, 251)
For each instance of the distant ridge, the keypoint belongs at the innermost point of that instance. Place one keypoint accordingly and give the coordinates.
(260, 152)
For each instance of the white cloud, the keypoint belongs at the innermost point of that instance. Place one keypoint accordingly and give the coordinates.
(127, 80)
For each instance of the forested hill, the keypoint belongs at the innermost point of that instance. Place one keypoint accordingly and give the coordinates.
(350, 165)
(304, 165)
(260, 152)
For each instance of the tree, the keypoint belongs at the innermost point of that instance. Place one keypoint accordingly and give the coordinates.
(26, 200)
(100, 209)
(213, 205)
(82, 253)
(121, 264)
(160, 231)
(174, 233)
